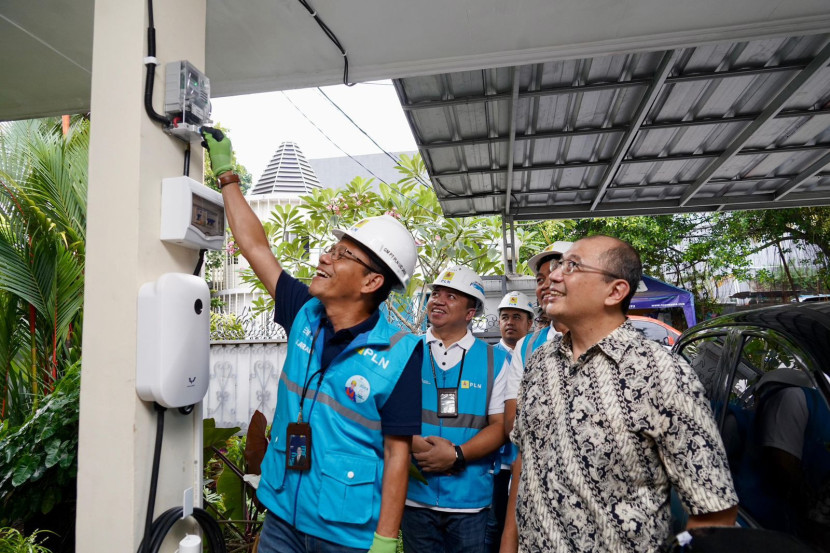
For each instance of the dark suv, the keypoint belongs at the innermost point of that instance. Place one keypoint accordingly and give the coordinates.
(766, 373)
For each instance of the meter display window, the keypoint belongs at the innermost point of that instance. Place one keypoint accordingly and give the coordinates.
(207, 217)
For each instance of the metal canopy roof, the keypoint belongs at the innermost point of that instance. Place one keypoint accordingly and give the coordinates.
(743, 125)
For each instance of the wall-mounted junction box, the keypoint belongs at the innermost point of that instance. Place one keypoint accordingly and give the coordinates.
(192, 215)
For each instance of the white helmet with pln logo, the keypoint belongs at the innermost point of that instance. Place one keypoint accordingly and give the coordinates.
(464, 280)
(390, 241)
(557, 250)
(516, 300)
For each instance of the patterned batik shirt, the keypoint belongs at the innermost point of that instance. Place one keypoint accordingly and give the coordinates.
(604, 438)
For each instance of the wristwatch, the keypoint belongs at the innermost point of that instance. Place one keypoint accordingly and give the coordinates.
(460, 462)
(227, 178)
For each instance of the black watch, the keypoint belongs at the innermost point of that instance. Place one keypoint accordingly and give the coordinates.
(460, 462)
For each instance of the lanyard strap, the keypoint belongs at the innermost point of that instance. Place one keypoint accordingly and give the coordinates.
(432, 365)
(321, 371)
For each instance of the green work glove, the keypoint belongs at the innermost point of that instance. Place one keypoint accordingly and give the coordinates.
(219, 147)
(383, 544)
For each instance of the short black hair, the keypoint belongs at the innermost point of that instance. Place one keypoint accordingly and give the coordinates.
(623, 261)
(389, 279)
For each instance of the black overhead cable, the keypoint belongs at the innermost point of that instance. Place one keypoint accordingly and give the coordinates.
(404, 196)
(352, 121)
(329, 33)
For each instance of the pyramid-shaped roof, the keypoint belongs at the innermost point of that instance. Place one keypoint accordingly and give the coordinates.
(288, 173)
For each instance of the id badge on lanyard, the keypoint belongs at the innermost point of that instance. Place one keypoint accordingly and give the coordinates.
(447, 397)
(298, 434)
(447, 402)
(298, 438)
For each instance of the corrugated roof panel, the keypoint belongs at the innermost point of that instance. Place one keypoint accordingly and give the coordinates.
(626, 132)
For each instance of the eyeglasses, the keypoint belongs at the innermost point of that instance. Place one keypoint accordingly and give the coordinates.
(341, 252)
(568, 267)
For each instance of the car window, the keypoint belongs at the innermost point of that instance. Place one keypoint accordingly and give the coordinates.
(652, 331)
(704, 355)
(777, 438)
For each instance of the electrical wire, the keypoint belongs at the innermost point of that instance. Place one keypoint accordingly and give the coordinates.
(346, 115)
(352, 121)
(187, 160)
(327, 137)
(198, 270)
(156, 531)
(329, 33)
(150, 63)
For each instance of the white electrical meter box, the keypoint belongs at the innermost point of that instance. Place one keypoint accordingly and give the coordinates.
(173, 359)
(192, 215)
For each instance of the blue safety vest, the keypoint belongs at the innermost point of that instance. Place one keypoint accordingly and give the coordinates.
(338, 499)
(507, 452)
(473, 487)
(533, 342)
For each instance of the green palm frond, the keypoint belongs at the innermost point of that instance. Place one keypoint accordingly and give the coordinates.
(43, 184)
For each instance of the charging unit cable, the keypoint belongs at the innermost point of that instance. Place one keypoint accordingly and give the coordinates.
(156, 530)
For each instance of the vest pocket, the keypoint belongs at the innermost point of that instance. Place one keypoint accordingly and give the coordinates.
(347, 487)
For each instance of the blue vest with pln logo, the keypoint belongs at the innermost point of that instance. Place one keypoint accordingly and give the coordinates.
(472, 488)
(338, 499)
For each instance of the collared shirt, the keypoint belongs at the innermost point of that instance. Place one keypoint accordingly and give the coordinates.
(604, 437)
(517, 366)
(449, 357)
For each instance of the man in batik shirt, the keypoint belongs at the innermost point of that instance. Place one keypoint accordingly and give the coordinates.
(607, 422)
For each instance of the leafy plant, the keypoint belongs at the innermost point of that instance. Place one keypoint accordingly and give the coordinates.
(227, 493)
(225, 326)
(38, 459)
(43, 179)
(12, 541)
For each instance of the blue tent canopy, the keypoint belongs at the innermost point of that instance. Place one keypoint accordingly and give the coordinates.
(662, 295)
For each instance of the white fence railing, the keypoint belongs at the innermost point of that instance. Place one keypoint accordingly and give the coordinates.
(243, 378)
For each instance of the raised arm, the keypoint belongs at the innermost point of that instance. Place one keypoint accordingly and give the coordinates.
(245, 225)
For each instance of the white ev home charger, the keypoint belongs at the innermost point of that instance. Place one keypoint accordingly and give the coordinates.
(173, 365)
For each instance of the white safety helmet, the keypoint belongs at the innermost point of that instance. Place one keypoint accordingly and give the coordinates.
(557, 249)
(389, 240)
(517, 300)
(464, 280)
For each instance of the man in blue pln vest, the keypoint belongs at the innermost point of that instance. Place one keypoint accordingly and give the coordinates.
(462, 426)
(348, 397)
(516, 314)
(540, 263)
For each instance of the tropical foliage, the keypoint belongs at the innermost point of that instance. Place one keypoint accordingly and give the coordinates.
(696, 251)
(38, 459)
(12, 541)
(43, 179)
(297, 233)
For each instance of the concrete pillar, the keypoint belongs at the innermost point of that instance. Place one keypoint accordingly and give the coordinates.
(129, 156)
